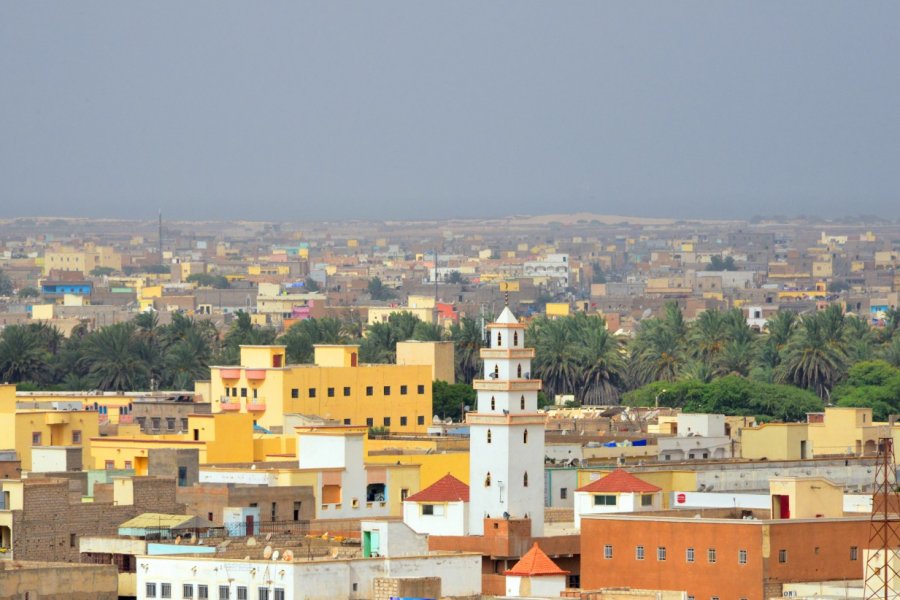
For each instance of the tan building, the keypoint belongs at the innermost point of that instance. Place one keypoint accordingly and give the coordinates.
(437, 355)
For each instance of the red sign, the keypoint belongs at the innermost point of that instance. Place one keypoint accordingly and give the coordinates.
(680, 498)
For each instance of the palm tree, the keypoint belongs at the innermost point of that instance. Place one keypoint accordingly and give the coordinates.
(556, 356)
(812, 359)
(379, 345)
(302, 337)
(601, 361)
(187, 361)
(427, 332)
(658, 352)
(22, 357)
(112, 359)
(859, 339)
(467, 340)
(708, 336)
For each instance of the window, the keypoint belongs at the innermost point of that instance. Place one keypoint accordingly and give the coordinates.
(404, 494)
(36, 439)
(346, 421)
(165, 590)
(488, 436)
(420, 389)
(519, 371)
(243, 392)
(563, 493)
(312, 392)
(639, 553)
(420, 420)
(714, 598)
(742, 557)
(607, 551)
(493, 404)
(522, 402)
(279, 593)
(403, 390)
(435, 510)
(402, 421)
(387, 421)
(241, 593)
(369, 390)
(151, 590)
(187, 590)
(499, 339)
(346, 390)
(184, 424)
(128, 465)
(487, 479)
(604, 500)
(76, 437)
(73, 540)
(525, 437)
(854, 553)
(661, 553)
(109, 465)
(711, 555)
(154, 423)
(515, 338)
(297, 506)
(203, 591)
(782, 556)
(525, 479)
(370, 421)
(295, 393)
(170, 423)
(331, 392)
(646, 499)
(387, 390)
(263, 593)
(274, 510)
(223, 592)
(689, 555)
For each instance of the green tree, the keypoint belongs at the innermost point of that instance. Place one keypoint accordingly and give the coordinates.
(659, 350)
(456, 277)
(717, 263)
(102, 271)
(111, 356)
(467, 341)
(601, 362)
(378, 291)
(209, 280)
(301, 338)
(871, 384)
(449, 399)
(29, 292)
(311, 285)
(556, 360)
(22, 356)
(379, 345)
(427, 332)
(815, 357)
(6, 285)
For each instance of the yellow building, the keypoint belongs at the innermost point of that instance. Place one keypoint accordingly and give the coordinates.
(82, 260)
(25, 429)
(396, 397)
(669, 480)
(776, 441)
(439, 356)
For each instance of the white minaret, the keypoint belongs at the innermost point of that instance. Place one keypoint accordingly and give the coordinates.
(506, 448)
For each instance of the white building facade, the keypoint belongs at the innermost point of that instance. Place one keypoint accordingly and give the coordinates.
(506, 464)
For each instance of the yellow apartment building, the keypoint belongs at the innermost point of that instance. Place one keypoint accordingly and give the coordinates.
(23, 429)
(776, 441)
(420, 306)
(337, 387)
(439, 356)
(82, 260)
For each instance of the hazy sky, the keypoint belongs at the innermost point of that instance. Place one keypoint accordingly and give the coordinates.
(296, 110)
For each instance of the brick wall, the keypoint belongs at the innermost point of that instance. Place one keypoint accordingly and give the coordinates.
(204, 499)
(385, 588)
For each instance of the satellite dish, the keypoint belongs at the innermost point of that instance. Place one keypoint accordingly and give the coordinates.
(288, 556)
(267, 552)
(268, 536)
(275, 555)
(251, 541)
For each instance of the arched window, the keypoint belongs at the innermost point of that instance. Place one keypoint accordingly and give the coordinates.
(522, 402)
(499, 339)
(493, 403)
(487, 479)
(525, 479)
(519, 371)
(496, 371)
(524, 436)
(515, 338)
(489, 436)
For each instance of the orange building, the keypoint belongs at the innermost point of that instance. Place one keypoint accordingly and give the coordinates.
(719, 558)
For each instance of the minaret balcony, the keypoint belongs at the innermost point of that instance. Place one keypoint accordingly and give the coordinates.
(507, 385)
(476, 418)
(507, 353)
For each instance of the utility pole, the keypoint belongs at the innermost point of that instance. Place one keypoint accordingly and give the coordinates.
(881, 577)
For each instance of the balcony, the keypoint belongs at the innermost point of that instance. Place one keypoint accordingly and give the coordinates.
(255, 374)
(230, 373)
(256, 404)
(226, 405)
(507, 385)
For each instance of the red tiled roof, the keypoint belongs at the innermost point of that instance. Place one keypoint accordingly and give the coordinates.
(446, 489)
(535, 562)
(619, 481)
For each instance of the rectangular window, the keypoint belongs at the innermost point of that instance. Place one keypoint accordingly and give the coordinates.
(639, 553)
(274, 510)
(346, 421)
(263, 593)
(184, 424)
(563, 493)
(647, 500)
(279, 593)
(312, 392)
(109, 465)
(165, 590)
(604, 500)
(241, 592)
(420, 389)
(223, 592)
(782, 556)
(346, 390)
(742, 557)
(387, 390)
(854, 553)
(76, 437)
(36, 438)
(607, 551)
(435, 510)
(151, 590)
(711, 555)
(203, 591)
(170, 423)
(420, 420)
(187, 590)
(661, 553)
(330, 395)
(73, 540)
(402, 421)
(243, 392)
(295, 393)
(155, 422)
(369, 390)
(403, 390)
(387, 421)
(370, 421)
(297, 506)
(404, 494)
(689, 555)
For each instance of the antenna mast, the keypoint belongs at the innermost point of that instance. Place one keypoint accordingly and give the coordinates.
(884, 538)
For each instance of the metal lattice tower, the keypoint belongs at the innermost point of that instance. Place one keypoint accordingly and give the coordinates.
(882, 578)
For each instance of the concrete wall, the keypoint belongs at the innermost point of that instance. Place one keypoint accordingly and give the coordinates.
(385, 588)
(165, 462)
(60, 581)
(453, 521)
(213, 498)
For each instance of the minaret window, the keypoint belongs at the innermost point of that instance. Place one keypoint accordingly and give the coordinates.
(493, 403)
(525, 480)
(487, 479)
(515, 338)
(496, 371)
(519, 371)
(499, 339)
(522, 402)
(524, 436)
(489, 436)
